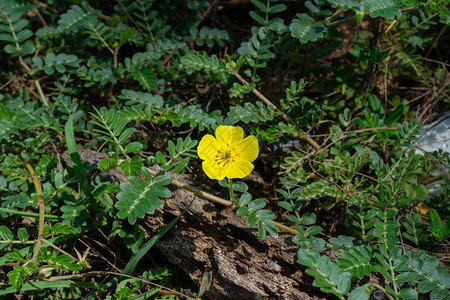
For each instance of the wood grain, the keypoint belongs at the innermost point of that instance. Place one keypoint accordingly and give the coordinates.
(212, 238)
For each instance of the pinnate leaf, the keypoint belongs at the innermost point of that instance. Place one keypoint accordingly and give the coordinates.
(306, 29)
(146, 77)
(138, 198)
(388, 9)
(17, 277)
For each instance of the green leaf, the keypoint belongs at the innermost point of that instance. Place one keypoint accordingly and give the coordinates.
(126, 35)
(313, 230)
(420, 192)
(277, 8)
(171, 149)
(242, 211)
(40, 285)
(306, 29)
(261, 230)
(22, 234)
(308, 218)
(58, 228)
(160, 158)
(408, 293)
(75, 157)
(307, 257)
(257, 204)
(17, 277)
(435, 221)
(126, 135)
(15, 256)
(245, 198)
(360, 293)
(133, 147)
(240, 186)
(132, 167)
(439, 294)
(138, 198)
(134, 260)
(203, 62)
(395, 115)
(425, 286)
(251, 219)
(146, 77)
(136, 97)
(73, 20)
(6, 234)
(107, 164)
(381, 8)
(345, 4)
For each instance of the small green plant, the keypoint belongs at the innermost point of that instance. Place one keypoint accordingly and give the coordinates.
(332, 100)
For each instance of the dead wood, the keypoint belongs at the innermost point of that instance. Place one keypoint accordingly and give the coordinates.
(212, 238)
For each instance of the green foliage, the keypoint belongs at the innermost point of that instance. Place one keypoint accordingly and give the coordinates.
(208, 36)
(250, 113)
(356, 260)
(336, 107)
(416, 231)
(306, 29)
(440, 231)
(14, 30)
(54, 62)
(266, 10)
(179, 155)
(202, 62)
(257, 50)
(329, 277)
(428, 276)
(385, 8)
(140, 197)
(147, 78)
(75, 17)
(253, 210)
(113, 128)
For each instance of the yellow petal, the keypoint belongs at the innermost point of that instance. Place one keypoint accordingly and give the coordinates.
(207, 148)
(213, 170)
(228, 135)
(238, 169)
(247, 149)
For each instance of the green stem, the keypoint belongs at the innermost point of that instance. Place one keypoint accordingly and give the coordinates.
(436, 40)
(29, 214)
(231, 190)
(41, 203)
(332, 16)
(41, 92)
(17, 242)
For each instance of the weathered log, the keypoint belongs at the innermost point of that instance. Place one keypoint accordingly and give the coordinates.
(212, 238)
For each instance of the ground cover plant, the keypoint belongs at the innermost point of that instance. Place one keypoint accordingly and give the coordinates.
(301, 116)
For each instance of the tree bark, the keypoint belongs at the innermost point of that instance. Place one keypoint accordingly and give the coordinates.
(212, 238)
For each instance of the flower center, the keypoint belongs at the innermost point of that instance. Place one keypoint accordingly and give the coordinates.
(224, 156)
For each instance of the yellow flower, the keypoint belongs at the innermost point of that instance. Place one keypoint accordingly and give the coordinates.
(228, 154)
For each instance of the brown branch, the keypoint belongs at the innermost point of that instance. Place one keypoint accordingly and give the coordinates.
(208, 10)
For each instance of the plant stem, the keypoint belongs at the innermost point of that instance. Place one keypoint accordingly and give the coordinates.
(36, 81)
(41, 203)
(29, 214)
(221, 201)
(56, 247)
(40, 91)
(201, 193)
(436, 40)
(231, 189)
(285, 228)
